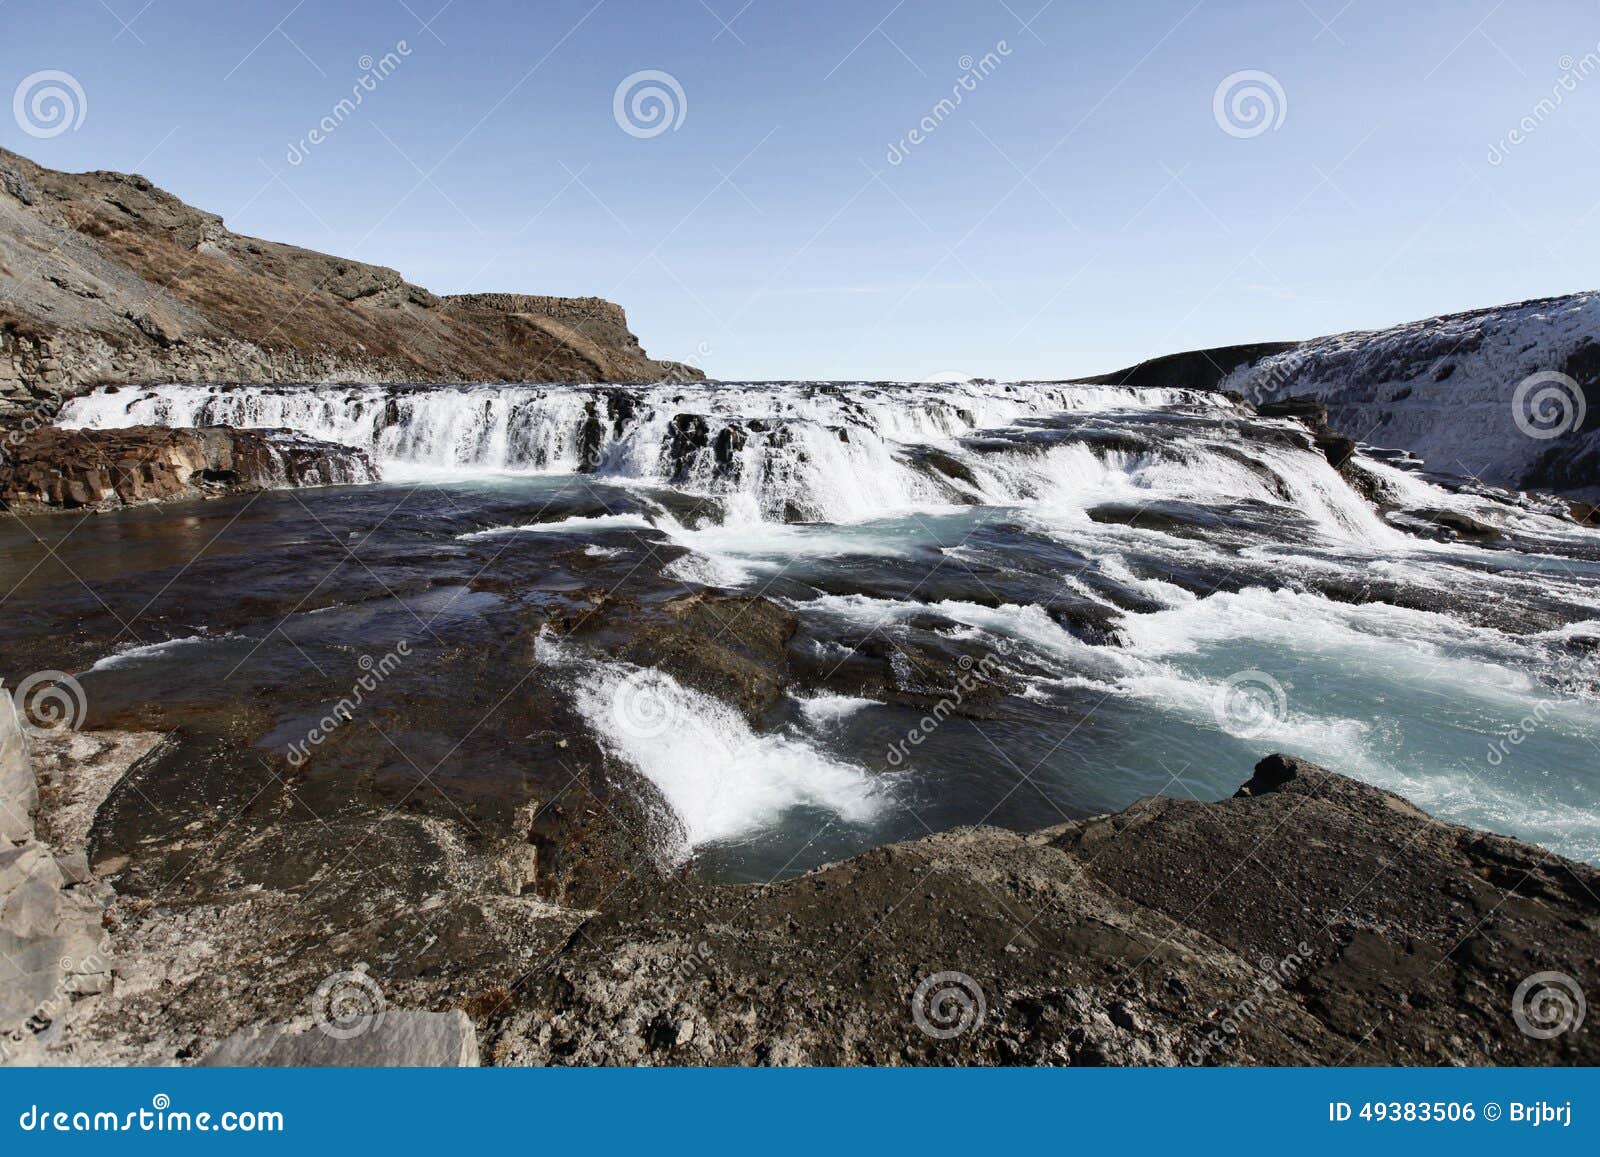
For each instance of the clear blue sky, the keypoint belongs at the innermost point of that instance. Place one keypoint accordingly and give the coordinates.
(1082, 208)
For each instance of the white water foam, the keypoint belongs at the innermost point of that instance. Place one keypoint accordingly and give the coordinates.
(132, 654)
(577, 524)
(812, 451)
(830, 710)
(723, 781)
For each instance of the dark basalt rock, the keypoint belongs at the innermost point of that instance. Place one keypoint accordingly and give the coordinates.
(1458, 525)
(1309, 920)
(687, 435)
(1335, 447)
(729, 442)
(733, 647)
(591, 440)
(622, 407)
(1273, 773)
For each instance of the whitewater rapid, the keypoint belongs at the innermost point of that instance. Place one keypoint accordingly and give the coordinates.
(1199, 584)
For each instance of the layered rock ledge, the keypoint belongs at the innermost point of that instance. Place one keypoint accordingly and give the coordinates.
(56, 469)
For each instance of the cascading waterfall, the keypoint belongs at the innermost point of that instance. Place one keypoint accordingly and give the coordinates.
(796, 452)
(1153, 557)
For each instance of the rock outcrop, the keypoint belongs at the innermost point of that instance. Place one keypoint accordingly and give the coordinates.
(55, 469)
(1309, 920)
(105, 278)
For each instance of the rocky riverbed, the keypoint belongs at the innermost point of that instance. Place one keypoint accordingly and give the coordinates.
(1309, 920)
(803, 723)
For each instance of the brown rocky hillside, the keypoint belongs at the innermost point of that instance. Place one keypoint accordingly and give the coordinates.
(105, 278)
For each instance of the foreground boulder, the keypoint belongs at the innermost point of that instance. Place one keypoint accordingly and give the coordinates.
(52, 943)
(1309, 920)
(56, 469)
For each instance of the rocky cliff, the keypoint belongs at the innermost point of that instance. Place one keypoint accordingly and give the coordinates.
(1509, 395)
(105, 278)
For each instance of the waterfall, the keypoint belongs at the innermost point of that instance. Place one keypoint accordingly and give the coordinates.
(800, 452)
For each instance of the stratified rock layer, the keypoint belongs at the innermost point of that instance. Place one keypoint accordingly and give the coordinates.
(73, 469)
(384, 1040)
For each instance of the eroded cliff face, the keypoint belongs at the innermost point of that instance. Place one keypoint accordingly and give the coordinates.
(105, 279)
(52, 469)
